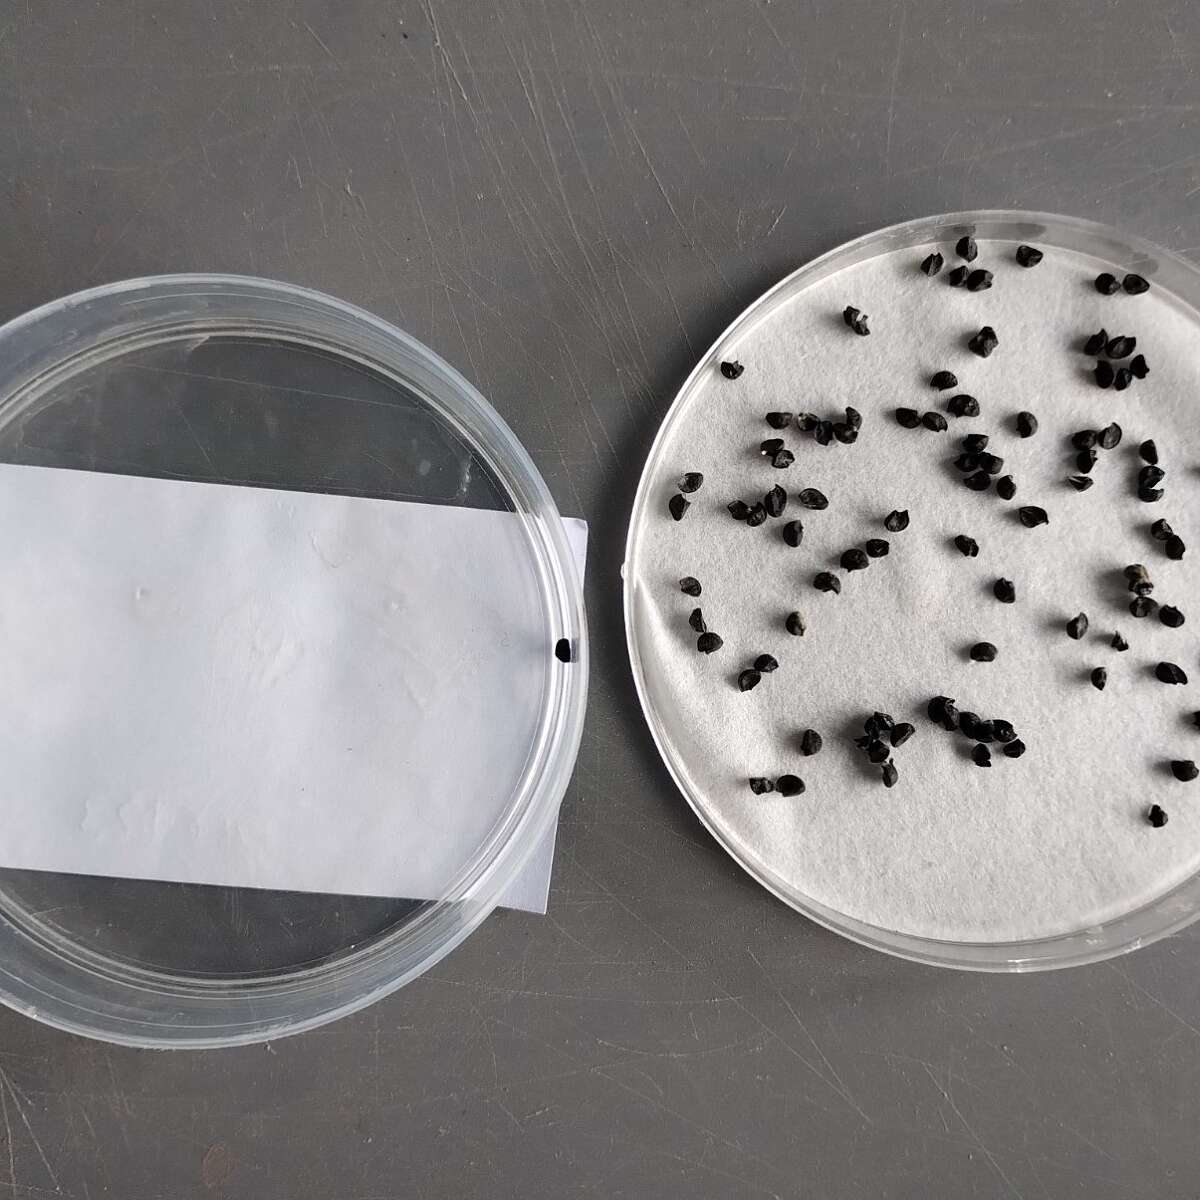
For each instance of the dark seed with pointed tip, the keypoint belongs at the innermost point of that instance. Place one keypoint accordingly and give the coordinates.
(1118, 642)
(882, 720)
(1168, 672)
(789, 785)
(1077, 626)
(966, 248)
(1170, 616)
(1006, 488)
(934, 422)
(1081, 483)
(826, 581)
(1110, 436)
(782, 458)
(975, 443)
(983, 342)
(779, 420)
(678, 505)
(1085, 460)
(938, 707)
(1175, 547)
(983, 652)
(943, 380)
(979, 280)
(981, 756)
(909, 418)
(855, 559)
(1156, 815)
(1096, 343)
(1104, 374)
(877, 547)
(1122, 379)
(932, 264)
(968, 722)
(775, 501)
(992, 464)
(807, 422)
(1027, 424)
(967, 462)
(963, 406)
(770, 447)
(1099, 678)
(979, 482)
(760, 786)
(1134, 572)
(793, 533)
(1005, 591)
(1085, 439)
(1135, 285)
(984, 731)
(968, 547)
(756, 516)
(810, 742)
(1014, 749)
(1028, 256)
(1138, 367)
(889, 775)
(812, 498)
(708, 643)
(1149, 495)
(689, 585)
(1151, 476)
(1031, 516)
(845, 434)
(691, 482)
(1120, 347)
(957, 277)
(1107, 284)
(748, 680)
(855, 320)
(896, 521)
(900, 733)
(731, 370)
(766, 663)
(1004, 732)
(795, 624)
(739, 510)
(878, 752)
(1149, 451)
(853, 418)
(696, 621)
(1142, 606)
(1184, 770)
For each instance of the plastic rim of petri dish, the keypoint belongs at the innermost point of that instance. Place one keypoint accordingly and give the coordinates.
(177, 965)
(1169, 272)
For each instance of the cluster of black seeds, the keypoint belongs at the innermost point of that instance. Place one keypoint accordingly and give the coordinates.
(785, 785)
(1150, 475)
(751, 677)
(1173, 545)
(1110, 350)
(823, 431)
(943, 711)
(881, 735)
(1087, 444)
(708, 642)
(1108, 284)
(979, 466)
(909, 418)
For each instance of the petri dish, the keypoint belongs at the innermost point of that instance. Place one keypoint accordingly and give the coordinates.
(1167, 907)
(246, 381)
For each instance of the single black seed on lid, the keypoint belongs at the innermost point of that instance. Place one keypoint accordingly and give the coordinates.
(1077, 626)
(963, 406)
(731, 370)
(779, 420)
(1085, 460)
(696, 621)
(709, 643)
(1028, 256)
(1184, 770)
(739, 510)
(690, 482)
(1106, 284)
(1027, 424)
(855, 320)
(1168, 672)
(1161, 529)
(1080, 483)
(983, 652)
(877, 547)
(1151, 476)
(775, 501)
(782, 458)
(1142, 606)
(846, 434)
(1170, 616)
(1122, 379)
(1138, 367)
(760, 786)
(1135, 285)
(823, 434)
(1135, 573)
(770, 447)
(943, 380)
(1156, 815)
(966, 248)
(909, 418)
(991, 464)
(900, 733)
(1149, 495)
(807, 422)
(826, 581)
(1096, 343)
(1104, 373)
(1005, 591)
(934, 422)
(896, 521)
(810, 743)
(1014, 749)
(1118, 642)
(789, 785)
(938, 707)
(1031, 516)
(812, 498)
(748, 680)
(879, 720)
(979, 482)
(678, 505)
(975, 443)
(889, 775)
(967, 462)
(878, 752)
(795, 624)
(689, 585)
(1085, 439)
(757, 515)
(562, 650)
(979, 280)
(1121, 346)
(968, 722)
(1004, 731)
(957, 277)
(793, 533)
(853, 418)
(1110, 437)
(983, 342)
(1175, 547)
(1005, 487)
(1099, 678)
(981, 756)
(855, 559)
(932, 264)
(766, 663)
(968, 547)
(984, 731)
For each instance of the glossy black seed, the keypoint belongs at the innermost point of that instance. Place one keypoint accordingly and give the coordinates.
(966, 248)
(934, 422)
(882, 720)
(1080, 483)
(877, 547)
(968, 722)
(756, 516)
(748, 680)
(979, 280)
(981, 756)
(1142, 606)
(1121, 346)
(823, 433)
(1028, 256)
(739, 510)
(957, 277)
(779, 420)
(900, 733)
(1149, 495)
(1184, 770)
(1096, 343)
(983, 652)
(1099, 678)
(807, 422)
(1151, 476)
(1110, 436)
(696, 621)
(766, 663)
(770, 447)
(1118, 642)
(826, 581)
(810, 742)
(963, 406)
(878, 752)
(1156, 815)
(1122, 379)
(896, 521)
(1104, 373)
(844, 433)
(1135, 573)
(760, 786)
(1031, 516)
(853, 418)
(979, 482)
(775, 501)
(812, 498)
(975, 443)
(932, 264)
(691, 482)
(943, 380)
(938, 708)
(1085, 439)
(1005, 487)
(1005, 591)
(1175, 547)
(889, 775)
(855, 320)
(678, 505)
(1107, 284)
(1138, 367)
(968, 547)
(984, 731)
(562, 650)
(1170, 616)
(855, 559)
(1168, 672)
(1027, 424)
(1014, 749)
(782, 458)
(1149, 451)
(689, 585)
(1077, 626)
(991, 464)
(1085, 460)
(731, 370)
(983, 342)
(708, 643)
(909, 418)
(793, 533)
(967, 462)
(1004, 732)
(795, 624)
(1135, 285)
(789, 785)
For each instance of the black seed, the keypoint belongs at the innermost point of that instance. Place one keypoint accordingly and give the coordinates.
(943, 380)
(889, 775)
(775, 501)
(909, 418)
(968, 722)
(984, 342)
(1149, 451)
(942, 710)
(739, 510)
(1168, 672)
(963, 406)
(689, 585)
(1110, 436)
(979, 280)
(766, 663)
(807, 422)
(1004, 732)
(756, 516)
(991, 464)
(1122, 379)
(1014, 749)
(968, 547)
(844, 433)
(1085, 439)
(1004, 591)
(1137, 366)
(855, 559)
(967, 463)
(1027, 424)
(877, 752)
(1196, 719)
(1080, 483)
(1104, 374)
(1005, 487)
(855, 320)
(770, 447)
(932, 264)
(1118, 642)
(1150, 495)
(1028, 256)
(793, 533)
(901, 733)
(1107, 284)
(979, 482)
(984, 731)
(1151, 476)
(779, 420)
(877, 547)
(1184, 770)
(981, 756)
(1077, 626)
(882, 720)
(1170, 616)
(826, 581)
(810, 742)
(1031, 516)
(690, 482)
(748, 680)
(957, 277)
(812, 498)
(983, 652)
(696, 621)
(789, 785)
(934, 422)
(1096, 343)
(1120, 347)
(1085, 460)
(760, 786)
(1175, 547)
(1156, 815)
(823, 433)
(1099, 678)
(975, 443)
(795, 624)
(782, 458)
(853, 418)
(678, 505)
(1143, 588)
(896, 521)
(1135, 285)
(562, 650)
(966, 248)
(708, 643)
(731, 370)
(1142, 606)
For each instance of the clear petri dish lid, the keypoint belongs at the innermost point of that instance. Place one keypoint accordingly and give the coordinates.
(250, 384)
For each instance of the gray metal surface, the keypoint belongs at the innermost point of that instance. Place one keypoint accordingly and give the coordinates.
(568, 201)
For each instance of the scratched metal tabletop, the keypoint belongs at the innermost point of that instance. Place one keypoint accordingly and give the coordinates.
(568, 200)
